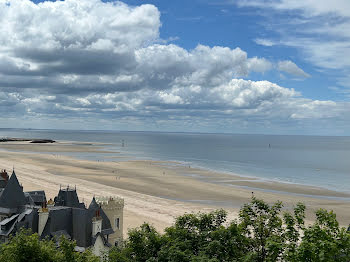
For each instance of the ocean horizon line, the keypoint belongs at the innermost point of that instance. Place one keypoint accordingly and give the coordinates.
(169, 132)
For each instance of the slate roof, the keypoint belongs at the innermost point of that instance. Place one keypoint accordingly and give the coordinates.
(38, 197)
(68, 197)
(106, 224)
(82, 227)
(12, 197)
(3, 183)
(27, 219)
(59, 219)
(7, 225)
(29, 199)
(76, 222)
(68, 217)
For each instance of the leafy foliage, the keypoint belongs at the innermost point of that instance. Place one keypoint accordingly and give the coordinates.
(27, 247)
(262, 233)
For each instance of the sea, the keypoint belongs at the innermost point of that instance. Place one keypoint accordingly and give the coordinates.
(320, 161)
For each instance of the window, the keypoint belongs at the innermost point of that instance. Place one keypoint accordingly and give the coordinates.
(116, 223)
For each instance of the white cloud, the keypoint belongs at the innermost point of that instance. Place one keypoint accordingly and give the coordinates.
(319, 29)
(93, 59)
(264, 42)
(291, 68)
(238, 99)
(329, 54)
(259, 64)
(90, 46)
(75, 24)
(309, 7)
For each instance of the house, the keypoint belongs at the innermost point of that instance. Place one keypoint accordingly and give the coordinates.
(64, 216)
(16, 210)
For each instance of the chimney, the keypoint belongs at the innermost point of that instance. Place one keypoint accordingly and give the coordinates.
(43, 217)
(96, 223)
(4, 175)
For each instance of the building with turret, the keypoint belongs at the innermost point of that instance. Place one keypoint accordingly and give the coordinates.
(97, 227)
(113, 208)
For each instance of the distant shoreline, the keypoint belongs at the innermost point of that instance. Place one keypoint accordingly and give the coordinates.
(33, 141)
(221, 177)
(314, 161)
(168, 132)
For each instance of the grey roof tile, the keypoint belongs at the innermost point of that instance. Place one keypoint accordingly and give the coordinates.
(93, 207)
(38, 197)
(68, 197)
(12, 196)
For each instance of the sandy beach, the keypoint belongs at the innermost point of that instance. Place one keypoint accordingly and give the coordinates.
(155, 192)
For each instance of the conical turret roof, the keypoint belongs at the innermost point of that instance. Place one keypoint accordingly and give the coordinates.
(12, 196)
(93, 205)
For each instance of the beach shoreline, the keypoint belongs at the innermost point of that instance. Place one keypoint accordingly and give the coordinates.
(155, 191)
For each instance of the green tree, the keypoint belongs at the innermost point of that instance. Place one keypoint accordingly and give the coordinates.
(67, 253)
(262, 233)
(294, 226)
(262, 225)
(143, 245)
(324, 240)
(202, 237)
(27, 247)
(193, 237)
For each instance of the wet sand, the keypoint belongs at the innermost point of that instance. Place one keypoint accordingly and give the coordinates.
(154, 191)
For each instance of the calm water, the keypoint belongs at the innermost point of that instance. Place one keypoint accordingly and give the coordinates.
(311, 160)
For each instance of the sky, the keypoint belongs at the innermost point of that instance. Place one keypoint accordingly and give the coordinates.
(232, 66)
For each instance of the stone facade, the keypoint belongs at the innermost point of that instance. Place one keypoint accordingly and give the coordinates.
(113, 208)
